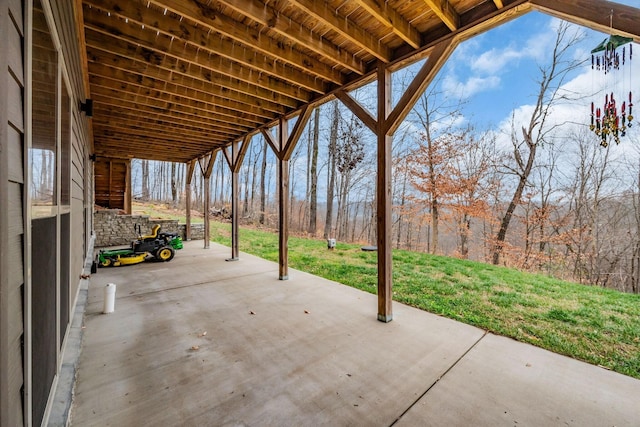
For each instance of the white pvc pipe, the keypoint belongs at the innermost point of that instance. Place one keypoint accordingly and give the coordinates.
(109, 298)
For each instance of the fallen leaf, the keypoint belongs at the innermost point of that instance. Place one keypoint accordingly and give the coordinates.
(195, 348)
(252, 312)
(306, 312)
(204, 334)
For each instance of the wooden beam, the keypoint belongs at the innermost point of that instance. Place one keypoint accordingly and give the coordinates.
(106, 104)
(142, 46)
(125, 82)
(345, 27)
(207, 198)
(268, 137)
(79, 21)
(293, 139)
(283, 205)
(124, 55)
(127, 189)
(445, 11)
(244, 34)
(151, 35)
(268, 17)
(357, 109)
(240, 153)
(235, 201)
(234, 160)
(414, 91)
(209, 167)
(384, 197)
(595, 14)
(228, 156)
(390, 18)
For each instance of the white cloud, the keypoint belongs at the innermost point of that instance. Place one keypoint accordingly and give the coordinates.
(495, 60)
(574, 114)
(465, 90)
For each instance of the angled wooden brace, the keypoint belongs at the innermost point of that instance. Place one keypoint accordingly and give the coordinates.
(206, 173)
(234, 160)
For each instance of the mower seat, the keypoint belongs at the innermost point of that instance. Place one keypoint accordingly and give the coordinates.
(153, 235)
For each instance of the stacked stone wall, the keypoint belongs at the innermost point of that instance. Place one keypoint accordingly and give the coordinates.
(113, 229)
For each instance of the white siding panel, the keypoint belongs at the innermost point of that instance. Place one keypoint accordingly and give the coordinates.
(15, 211)
(14, 299)
(15, 105)
(14, 147)
(14, 382)
(15, 9)
(15, 54)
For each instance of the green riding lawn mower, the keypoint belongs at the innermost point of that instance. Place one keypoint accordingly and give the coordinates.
(156, 246)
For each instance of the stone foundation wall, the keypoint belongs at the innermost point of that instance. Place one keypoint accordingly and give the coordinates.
(113, 229)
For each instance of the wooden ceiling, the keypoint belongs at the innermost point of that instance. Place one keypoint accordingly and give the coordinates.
(174, 79)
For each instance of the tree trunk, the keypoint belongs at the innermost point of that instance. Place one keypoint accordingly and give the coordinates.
(313, 174)
(145, 180)
(331, 170)
(174, 188)
(515, 200)
(263, 173)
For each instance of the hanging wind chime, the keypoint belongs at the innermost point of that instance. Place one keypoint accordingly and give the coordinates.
(610, 122)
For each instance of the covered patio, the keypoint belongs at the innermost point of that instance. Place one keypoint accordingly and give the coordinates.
(201, 341)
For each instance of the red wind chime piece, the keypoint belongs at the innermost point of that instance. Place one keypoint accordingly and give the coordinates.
(609, 122)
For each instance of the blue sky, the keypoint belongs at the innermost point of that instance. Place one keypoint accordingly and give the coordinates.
(496, 72)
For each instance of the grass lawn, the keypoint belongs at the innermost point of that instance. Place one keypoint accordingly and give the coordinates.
(596, 325)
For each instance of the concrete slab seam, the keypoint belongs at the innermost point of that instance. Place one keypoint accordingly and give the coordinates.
(453, 365)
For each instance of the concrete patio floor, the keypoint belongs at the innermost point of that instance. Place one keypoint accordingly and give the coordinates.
(204, 342)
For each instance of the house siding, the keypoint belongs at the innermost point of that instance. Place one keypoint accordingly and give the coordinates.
(12, 217)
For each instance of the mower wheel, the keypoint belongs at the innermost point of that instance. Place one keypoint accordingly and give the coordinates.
(106, 263)
(165, 253)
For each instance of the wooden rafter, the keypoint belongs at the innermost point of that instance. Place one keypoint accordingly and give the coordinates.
(161, 51)
(597, 15)
(121, 81)
(203, 74)
(178, 40)
(247, 36)
(445, 11)
(167, 102)
(346, 28)
(392, 19)
(270, 18)
(183, 85)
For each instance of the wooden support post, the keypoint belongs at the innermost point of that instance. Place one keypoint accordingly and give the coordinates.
(234, 216)
(283, 204)
(234, 160)
(127, 189)
(384, 196)
(207, 206)
(207, 199)
(384, 125)
(283, 148)
(187, 193)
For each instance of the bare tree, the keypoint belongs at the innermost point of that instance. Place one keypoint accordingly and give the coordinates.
(537, 132)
